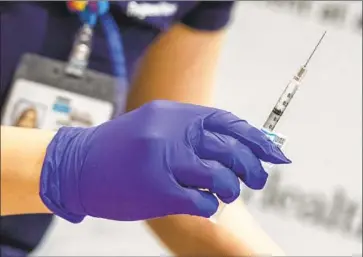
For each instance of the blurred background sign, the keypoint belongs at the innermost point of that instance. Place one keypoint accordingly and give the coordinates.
(339, 14)
(313, 206)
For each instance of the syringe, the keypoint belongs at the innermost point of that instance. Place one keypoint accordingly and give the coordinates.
(277, 112)
(288, 93)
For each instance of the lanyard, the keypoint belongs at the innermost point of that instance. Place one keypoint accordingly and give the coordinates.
(89, 12)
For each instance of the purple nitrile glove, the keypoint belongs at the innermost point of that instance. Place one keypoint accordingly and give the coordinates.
(152, 162)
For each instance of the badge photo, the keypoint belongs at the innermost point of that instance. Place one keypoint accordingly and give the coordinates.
(26, 114)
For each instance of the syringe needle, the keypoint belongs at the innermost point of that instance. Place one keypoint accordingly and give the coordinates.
(288, 94)
(316, 47)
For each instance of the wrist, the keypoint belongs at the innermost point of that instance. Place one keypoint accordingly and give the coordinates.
(61, 172)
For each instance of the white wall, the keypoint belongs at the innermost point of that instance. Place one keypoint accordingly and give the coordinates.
(265, 47)
(263, 50)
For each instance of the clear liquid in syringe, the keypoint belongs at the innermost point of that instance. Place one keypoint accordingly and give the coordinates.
(283, 101)
(288, 94)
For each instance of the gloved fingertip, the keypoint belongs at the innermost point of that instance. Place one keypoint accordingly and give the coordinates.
(288, 161)
(228, 187)
(278, 157)
(232, 194)
(230, 199)
(257, 182)
(207, 205)
(283, 160)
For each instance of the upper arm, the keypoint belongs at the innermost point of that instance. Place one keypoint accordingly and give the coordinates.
(180, 63)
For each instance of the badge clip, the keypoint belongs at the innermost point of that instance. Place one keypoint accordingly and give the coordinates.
(79, 57)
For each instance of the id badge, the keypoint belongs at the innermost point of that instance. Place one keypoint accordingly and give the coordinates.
(44, 96)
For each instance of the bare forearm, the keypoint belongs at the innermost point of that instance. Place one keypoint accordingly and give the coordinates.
(22, 154)
(237, 220)
(194, 236)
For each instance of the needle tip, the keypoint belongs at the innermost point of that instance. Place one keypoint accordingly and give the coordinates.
(316, 47)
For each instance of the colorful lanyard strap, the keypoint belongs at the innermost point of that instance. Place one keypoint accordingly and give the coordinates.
(89, 12)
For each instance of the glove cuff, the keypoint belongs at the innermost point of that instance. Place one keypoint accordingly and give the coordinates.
(60, 173)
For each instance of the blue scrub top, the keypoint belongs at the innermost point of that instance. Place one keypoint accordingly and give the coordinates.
(48, 29)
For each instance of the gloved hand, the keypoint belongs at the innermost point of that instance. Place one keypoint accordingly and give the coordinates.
(152, 162)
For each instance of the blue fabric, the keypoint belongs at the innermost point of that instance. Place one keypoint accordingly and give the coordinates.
(22, 233)
(152, 162)
(8, 251)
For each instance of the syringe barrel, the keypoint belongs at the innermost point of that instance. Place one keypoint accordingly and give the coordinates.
(282, 104)
(284, 100)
